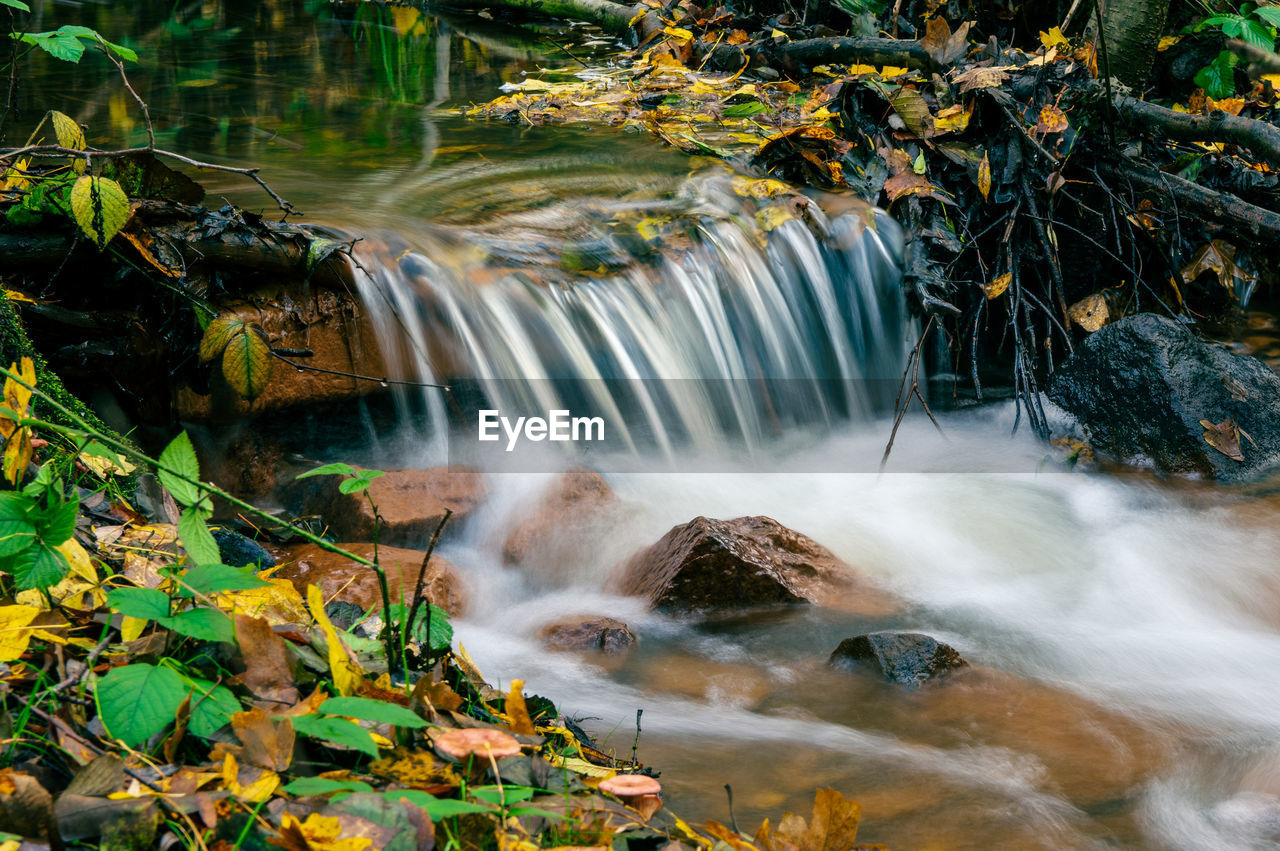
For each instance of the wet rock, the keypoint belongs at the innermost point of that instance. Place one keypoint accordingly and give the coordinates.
(1141, 386)
(347, 581)
(607, 635)
(566, 509)
(410, 502)
(907, 658)
(710, 564)
(329, 323)
(237, 550)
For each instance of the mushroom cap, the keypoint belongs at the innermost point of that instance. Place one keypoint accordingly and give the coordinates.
(631, 785)
(466, 742)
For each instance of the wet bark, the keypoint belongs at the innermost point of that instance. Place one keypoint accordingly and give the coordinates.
(1131, 32)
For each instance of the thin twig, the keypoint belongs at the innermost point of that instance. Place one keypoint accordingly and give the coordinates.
(383, 381)
(422, 576)
(142, 104)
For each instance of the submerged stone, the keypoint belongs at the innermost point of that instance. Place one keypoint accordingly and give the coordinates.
(907, 658)
(604, 634)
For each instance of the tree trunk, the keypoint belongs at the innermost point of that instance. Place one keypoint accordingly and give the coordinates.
(1131, 30)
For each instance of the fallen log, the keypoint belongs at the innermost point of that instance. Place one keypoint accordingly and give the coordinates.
(1219, 208)
(1260, 137)
(800, 56)
(613, 17)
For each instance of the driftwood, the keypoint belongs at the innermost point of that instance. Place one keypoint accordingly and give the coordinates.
(1261, 138)
(1184, 196)
(804, 54)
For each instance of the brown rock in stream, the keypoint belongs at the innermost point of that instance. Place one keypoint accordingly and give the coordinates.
(340, 578)
(606, 635)
(568, 507)
(710, 564)
(410, 502)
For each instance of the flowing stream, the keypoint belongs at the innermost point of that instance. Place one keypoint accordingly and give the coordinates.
(1126, 632)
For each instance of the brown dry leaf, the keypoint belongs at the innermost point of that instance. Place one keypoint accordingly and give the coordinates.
(833, 827)
(996, 287)
(264, 742)
(268, 673)
(1219, 257)
(146, 246)
(737, 37)
(910, 106)
(727, 836)
(1235, 388)
(1052, 120)
(981, 78)
(1225, 437)
(26, 807)
(942, 44)
(1090, 312)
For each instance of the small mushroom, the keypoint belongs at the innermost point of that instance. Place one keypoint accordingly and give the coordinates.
(460, 744)
(638, 791)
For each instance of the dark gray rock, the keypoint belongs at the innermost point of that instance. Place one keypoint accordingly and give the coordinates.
(1141, 386)
(237, 550)
(908, 658)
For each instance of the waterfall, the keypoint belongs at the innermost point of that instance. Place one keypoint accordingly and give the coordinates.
(735, 339)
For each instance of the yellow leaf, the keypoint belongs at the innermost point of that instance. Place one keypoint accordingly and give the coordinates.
(1273, 79)
(100, 208)
(1090, 312)
(650, 228)
(1053, 38)
(319, 833)
(772, 217)
(346, 676)
(1167, 42)
(890, 71)
(408, 20)
(69, 136)
(246, 362)
(580, 766)
(78, 559)
(952, 119)
(104, 467)
(998, 285)
(517, 712)
(859, 70)
(1052, 120)
(218, 334)
(779, 34)
(14, 631)
(278, 602)
(131, 628)
(678, 32)
(15, 177)
(984, 177)
(759, 189)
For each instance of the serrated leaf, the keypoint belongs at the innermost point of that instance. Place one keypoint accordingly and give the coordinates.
(204, 624)
(218, 579)
(1218, 78)
(57, 44)
(211, 706)
(137, 701)
(15, 537)
(1256, 34)
(144, 603)
(338, 469)
(367, 709)
(246, 362)
(58, 523)
(218, 334)
(100, 208)
(39, 567)
(70, 135)
(179, 469)
(338, 731)
(196, 538)
(16, 4)
(1270, 14)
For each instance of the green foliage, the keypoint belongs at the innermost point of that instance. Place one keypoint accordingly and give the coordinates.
(338, 731)
(1218, 78)
(354, 481)
(207, 579)
(33, 522)
(245, 352)
(68, 43)
(366, 709)
(1254, 24)
(138, 701)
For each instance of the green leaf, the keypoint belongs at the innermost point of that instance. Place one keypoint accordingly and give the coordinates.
(16, 536)
(15, 506)
(178, 464)
(1218, 78)
(1270, 14)
(145, 603)
(196, 538)
(323, 786)
(742, 110)
(137, 701)
(329, 470)
(440, 637)
(16, 4)
(495, 796)
(39, 567)
(57, 44)
(246, 362)
(436, 808)
(338, 731)
(58, 523)
(218, 578)
(100, 208)
(360, 481)
(203, 623)
(372, 710)
(1258, 35)
(211, 706)
(218, 334)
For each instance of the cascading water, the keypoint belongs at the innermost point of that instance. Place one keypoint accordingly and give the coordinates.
(738, 337)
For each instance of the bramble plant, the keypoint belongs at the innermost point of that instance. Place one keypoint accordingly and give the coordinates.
(1254, 24)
